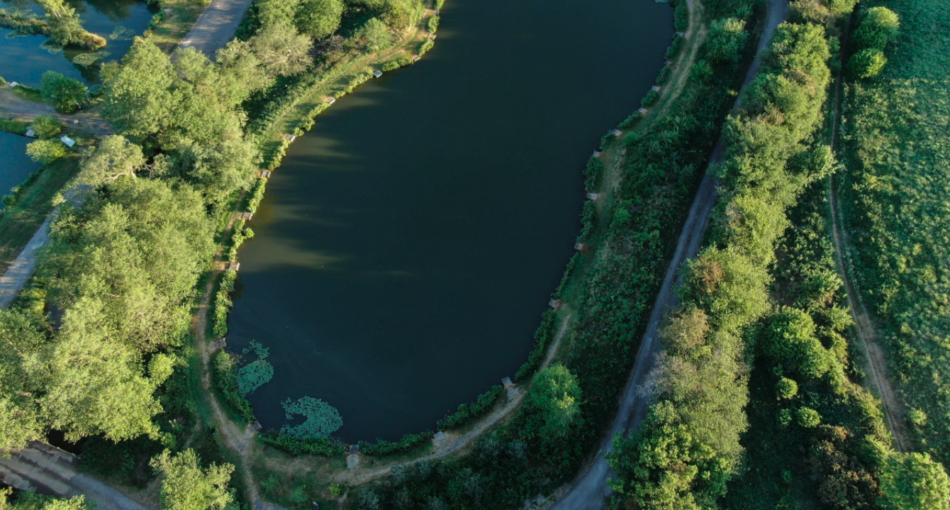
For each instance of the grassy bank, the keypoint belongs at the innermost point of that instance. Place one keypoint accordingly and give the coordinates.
(894, 208)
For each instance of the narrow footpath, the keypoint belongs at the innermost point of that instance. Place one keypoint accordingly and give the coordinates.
(590, 489)
(864, 328)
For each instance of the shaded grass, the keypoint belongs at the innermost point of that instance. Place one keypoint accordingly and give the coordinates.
(17, 127)
(179, 21)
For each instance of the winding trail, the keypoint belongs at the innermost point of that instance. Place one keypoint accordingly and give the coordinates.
(590, 488)
(22, 109)
(864, 328)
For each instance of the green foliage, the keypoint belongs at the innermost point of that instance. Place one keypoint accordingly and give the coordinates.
(320, 419)
(556, 393)
(468, 412)
(807, 417)
(786, 388)
(650, 99)
(186, 486)
(373, 36)
(65, 94)
(867, 63)
(405, 444)
(45, 152)
(222, 303)
(225, 381)
(256, 373)
(324, 446)
(727, 39)
(115, 157)
(318, 18)
(34, 501)
(432, 25)
(681, 17)
(879, 26)
(701, 385)
(914, 480)
(46, 126)
(65, 27)
(281, 50)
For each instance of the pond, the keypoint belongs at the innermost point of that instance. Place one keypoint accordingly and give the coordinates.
(408, 245)
(17, 166)
(24, 59)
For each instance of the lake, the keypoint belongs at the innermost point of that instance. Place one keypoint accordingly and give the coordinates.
(409, 243)
(25, 58)
(17, 166)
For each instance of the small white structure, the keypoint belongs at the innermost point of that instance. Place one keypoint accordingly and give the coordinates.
(642, 111)
(578, 246)
(432, 36)
(668, 63)
(377, 74)
(68, 141)
(555, 304)
(681, 34)
(593, 196)
(506, 383)
(331, 99)
(12, 84)
(617, 133)
(597, 154)
(416, 58)
(31, 133)
(234, 266)
(290, 138)
(656, 88)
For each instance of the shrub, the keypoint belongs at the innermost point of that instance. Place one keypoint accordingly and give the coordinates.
(675, 47)
(468, 412)
(47, 126)
(432, 25)
(807, 417)
(405, 444)
(651, 98)
(319, 18)
(681, 17)
(45, 152)
(374, 36)
(878, 28)
(786, 388)
(326, 447)
(867, 63)
(225, 381)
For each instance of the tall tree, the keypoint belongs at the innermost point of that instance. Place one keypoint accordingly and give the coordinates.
(186, 486)
(319, 18)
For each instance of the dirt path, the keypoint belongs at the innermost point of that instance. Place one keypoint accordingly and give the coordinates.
(864, 329)
(590, 488)
(231, 434)
(216, 26)
(22, 109)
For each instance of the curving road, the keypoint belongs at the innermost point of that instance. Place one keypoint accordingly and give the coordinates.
(590, 489)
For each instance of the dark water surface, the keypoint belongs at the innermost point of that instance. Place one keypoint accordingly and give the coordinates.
(15, 165)
(409, 243)
(24, 58)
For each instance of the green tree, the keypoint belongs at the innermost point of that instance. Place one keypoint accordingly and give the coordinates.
(726, 40)
(319, 18)
(186, 486)
(21, 341)
(34, 501)
(879, 27)
(47, 126)
(45, 152)
(373, 36)
(139, 100)
(65, 94)
(276, 12)
(786, 388)
(807, 417)
(113, 158)
(867, 63)
(557, 394)
(281, 50)
(913, 480)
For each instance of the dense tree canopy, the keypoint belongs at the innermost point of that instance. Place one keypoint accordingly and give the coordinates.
(186, 486)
